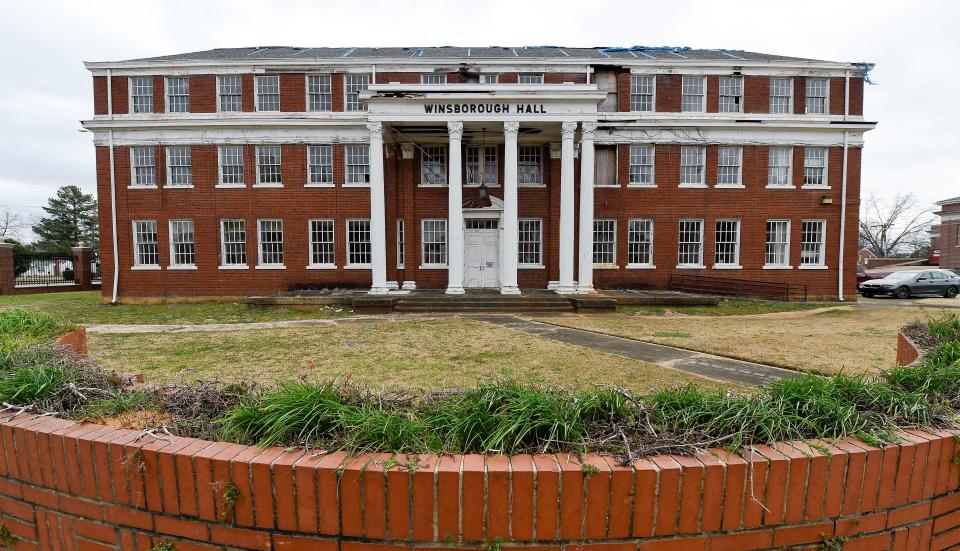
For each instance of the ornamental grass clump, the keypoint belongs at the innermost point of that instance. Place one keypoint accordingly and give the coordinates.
(20, 327)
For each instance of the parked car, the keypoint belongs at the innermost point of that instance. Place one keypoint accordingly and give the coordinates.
(913, 282)
(864, 275)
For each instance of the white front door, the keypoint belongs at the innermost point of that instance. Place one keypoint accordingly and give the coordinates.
(481, 251)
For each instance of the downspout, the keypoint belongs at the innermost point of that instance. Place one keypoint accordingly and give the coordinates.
(113, 193)
(843, 185)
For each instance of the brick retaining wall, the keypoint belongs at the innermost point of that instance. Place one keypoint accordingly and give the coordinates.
(907, 352)
(76, 341)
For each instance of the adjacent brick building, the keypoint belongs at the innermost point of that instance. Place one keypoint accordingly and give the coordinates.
(246, 171)
(945, 237)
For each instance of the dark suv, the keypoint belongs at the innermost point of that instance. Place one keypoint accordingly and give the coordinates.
(914, 282)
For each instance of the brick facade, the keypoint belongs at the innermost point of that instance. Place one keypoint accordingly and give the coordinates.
(949, 237)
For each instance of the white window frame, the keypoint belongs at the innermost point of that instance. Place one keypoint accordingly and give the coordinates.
(520, 155)
(137, 264)
(489, 78)
(788, 167)
(445, 244)
(348, 104)
(169, 152)
(279, 182)
(131, 87)
(717, 232)
(633, 234)
(257, 93)
(701, 152)
(330, 224)
(635, 153)
(152, 166)
(221, 95)
(223, 244)
(532, 78)
(702, 94)
(401, 244)
(610, 229)
(433, 78)
(739, 157)
(325, 98)
(348, 151)
(785, 265)
(168, 96)
(220, 179)
(789, 96)
(821, 245)
(826, 96)
(261, 265)
(174, 265)
(635, 92)
(534, 247)
(431, 152)
(720, 94)
(680, 244)
(325, 152)
(826, 166)
(350, 242)
(482, 165)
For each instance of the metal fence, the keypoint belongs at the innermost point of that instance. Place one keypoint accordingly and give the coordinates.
(692, 283)
(95, 271)
(43, 269)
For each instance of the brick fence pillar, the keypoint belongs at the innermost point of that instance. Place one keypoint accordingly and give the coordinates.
(7, 282)
(82, 274)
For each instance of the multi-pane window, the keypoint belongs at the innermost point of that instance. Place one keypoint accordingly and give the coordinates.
(141, 94)
(605, 166)
(359, 250)
(178, 95)
(642, 90)
(728, 165)
(481, 165)
(182, 251)
(781, 95)
(358, 164)
(641, 164)
(692, 160)
(604, 241)
(690, 243)
(433, 165)
(145, 250)
(530, 78)
(321, 243)
(433, 79)
(731, 94)
(179, 166)
(144, 169)
(353, 85)
(233, 243)
(434, 238)
(817, 95)
(778, 243)
(319, 93)
(693, 94)
(811, 242)
(268, 164)
(489, 78)
(529, 242)
(270, 239)
(640, 242)
(231, 164)
(401, 244)
(727, 250)
(815, 166)
(230, 92)
(779, 164)
(529, 167)
(268, 93)
(320, 165)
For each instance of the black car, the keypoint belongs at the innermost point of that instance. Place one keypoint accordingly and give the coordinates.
(914, 282)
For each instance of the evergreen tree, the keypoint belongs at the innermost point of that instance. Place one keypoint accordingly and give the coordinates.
(71, 221)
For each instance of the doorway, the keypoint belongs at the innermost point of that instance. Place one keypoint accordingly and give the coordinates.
(481, 253)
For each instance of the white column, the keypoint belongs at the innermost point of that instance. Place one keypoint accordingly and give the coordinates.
(566, 283)
(455, 212)
(510, 233)
(585, 245)
(378, 226)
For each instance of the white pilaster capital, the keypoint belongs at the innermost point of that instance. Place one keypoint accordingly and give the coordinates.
(455, 129)
(555, 150)
(588, 130)
(376, 130)
(567, 129)
(406, 150)
(511, 128)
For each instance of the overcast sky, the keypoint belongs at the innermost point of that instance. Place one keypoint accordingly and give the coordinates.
(46, 91)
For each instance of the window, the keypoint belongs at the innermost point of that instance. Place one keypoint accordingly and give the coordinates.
(233, 243)
(433, 165)
(641, 165)
(141, 94)
(529, 249)
(268, 93)
(778, 243)
(179, 171)
(728, 166)
(690, 250)
(358, 243)
(271, 242)
(353, 84)
(529, 171)
(434, 238)
(811, 242)
(781, 95)
(779, 166)
(817, 95)
(268, 164)
(319, 95)
(178, 95)
(605, 242)
(530, 78)
(401, 247)
(481, 169)
(731, 94)
(642, 90)
(231, 165)
(358, 164)
(320, 165)
(145, 251)
(489, 78)
(230, 91)
(182, 253)
(727, 244)
(605, 166)
(321, 243)
(144, 171)
(692, 160)
(433, 79)
(815, 167)
(640, 243)
(693, 98)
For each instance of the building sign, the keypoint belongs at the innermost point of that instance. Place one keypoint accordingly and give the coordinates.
(484, 108)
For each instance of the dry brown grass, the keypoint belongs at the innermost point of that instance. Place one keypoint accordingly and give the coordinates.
(851, 340)
(439, 353)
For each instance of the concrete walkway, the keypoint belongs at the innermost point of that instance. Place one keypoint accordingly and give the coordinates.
(698, 363)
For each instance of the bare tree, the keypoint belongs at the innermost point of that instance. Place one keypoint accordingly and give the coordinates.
(890, 226)
(10, 224)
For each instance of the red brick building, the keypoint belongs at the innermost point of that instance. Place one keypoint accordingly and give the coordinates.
(253, 170)
(945, 237)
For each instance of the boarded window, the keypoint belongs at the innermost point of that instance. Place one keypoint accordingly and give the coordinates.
(607, 82)
(605, 159)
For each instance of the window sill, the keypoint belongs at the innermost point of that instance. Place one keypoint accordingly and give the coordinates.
(530, 266)
(691, 267)
(729, 186)
(641, 186)
(321, 266)
(357, 185)
(319, 185)
(358, 267)
(432, 185)
(267, 186)
(692, 186)
(775, 267)
(146, 267)
(233, 267)
(478, 185)
(270, 267)
(532, 186)
(433, 266)
(815, 187)
(141, 187)
(812, 267)
(230, 186)
(605, 266)
(727, 267)
(768, 186)
(178, 186)
(186, 267)
(641, 267)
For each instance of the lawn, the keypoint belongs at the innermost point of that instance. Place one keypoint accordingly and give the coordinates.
(852, 339)
(441, 353)
(728, 307)
(84, 308)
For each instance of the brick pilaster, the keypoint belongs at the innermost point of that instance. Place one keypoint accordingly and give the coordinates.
(6, 269)
(82, 274)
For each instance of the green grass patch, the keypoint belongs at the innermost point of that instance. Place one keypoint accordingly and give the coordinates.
(726, 307)
(673, 334)
(20, 328)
